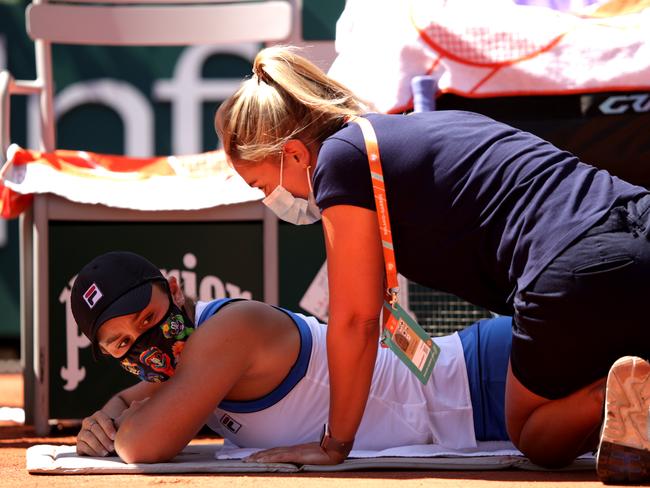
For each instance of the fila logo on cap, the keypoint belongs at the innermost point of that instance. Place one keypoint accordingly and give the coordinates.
(92, 295)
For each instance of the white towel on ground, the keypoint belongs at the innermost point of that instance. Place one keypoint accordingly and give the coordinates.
(226, 458)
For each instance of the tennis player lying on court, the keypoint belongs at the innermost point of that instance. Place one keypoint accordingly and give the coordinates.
(258, 375)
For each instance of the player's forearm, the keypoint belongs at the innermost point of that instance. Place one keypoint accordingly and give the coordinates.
(352, 350)
(115, 406)
(122, 400)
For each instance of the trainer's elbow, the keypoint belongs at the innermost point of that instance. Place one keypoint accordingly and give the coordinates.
(366, 325)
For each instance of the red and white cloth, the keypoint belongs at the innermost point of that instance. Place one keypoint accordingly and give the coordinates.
(158, 183)
(486, 49)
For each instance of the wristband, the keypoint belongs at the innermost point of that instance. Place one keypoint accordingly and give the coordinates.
(330, 444)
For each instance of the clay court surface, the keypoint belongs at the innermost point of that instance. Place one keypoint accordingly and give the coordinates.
(15, 439)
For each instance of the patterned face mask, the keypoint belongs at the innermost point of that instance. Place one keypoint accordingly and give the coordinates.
(154, 355)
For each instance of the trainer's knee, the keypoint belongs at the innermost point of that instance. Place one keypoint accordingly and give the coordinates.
(551, 457)
(552, 433)
(520, 405)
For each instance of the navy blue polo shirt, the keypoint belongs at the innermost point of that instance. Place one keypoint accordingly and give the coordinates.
(477, 208)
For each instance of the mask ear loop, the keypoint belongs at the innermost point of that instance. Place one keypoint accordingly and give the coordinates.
(281, 165)
(311, 190)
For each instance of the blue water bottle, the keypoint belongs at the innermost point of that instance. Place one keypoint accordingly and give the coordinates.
(424, 90)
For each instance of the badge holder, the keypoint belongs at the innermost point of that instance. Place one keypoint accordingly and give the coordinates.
(409, 341)
(400, 332)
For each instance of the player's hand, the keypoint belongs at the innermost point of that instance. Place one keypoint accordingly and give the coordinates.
(310, 453)
(96, 435)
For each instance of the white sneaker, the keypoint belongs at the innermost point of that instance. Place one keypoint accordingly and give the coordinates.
(624, 449)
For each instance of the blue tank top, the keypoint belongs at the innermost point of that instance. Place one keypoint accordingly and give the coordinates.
(477, 208)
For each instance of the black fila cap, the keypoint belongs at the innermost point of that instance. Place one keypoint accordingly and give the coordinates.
(111, 285)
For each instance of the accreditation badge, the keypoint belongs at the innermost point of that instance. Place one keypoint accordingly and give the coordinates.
(409, 341)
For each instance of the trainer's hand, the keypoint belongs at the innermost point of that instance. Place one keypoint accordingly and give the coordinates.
(310, 453)
(96, 435)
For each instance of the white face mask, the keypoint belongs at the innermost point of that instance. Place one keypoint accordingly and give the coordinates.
(292, 209)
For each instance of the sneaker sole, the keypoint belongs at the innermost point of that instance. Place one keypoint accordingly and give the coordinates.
(624, 451)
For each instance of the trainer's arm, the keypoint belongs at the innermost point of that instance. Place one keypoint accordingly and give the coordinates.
(355, 273)
(355, 268)
(215, 357)
(98, 431)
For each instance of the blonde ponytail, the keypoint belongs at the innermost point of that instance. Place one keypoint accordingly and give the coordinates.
(286, 98)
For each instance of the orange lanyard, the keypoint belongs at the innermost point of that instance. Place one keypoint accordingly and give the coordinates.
(379, 190)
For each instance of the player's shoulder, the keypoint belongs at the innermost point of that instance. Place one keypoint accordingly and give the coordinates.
(238, 317)
(241, 310)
